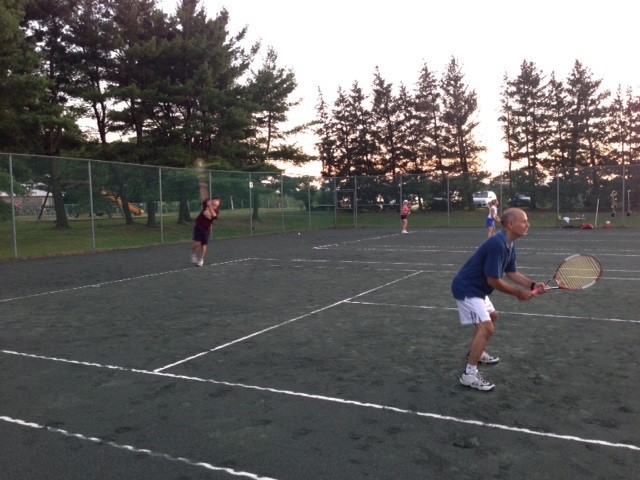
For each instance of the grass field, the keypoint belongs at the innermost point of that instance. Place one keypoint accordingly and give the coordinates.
(40, 238)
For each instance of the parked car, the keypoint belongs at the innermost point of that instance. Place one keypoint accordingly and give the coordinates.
(520, 200)
(484, 198)
(439, 201)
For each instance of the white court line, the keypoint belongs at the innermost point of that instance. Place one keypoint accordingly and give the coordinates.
(346, 242)
(420, 265)
(273, 327)
(473, 249)
(343, 401)
(121, 280)
(354, 262)
(129, 448)
(524, 314)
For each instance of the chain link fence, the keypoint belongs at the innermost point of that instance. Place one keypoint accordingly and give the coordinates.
(116, 205)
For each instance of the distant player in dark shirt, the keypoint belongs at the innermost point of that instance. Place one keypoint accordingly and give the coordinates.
(204, 223)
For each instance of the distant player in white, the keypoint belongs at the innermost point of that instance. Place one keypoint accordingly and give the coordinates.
(493, 217)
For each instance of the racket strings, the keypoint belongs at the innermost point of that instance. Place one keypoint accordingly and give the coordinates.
(578, 272)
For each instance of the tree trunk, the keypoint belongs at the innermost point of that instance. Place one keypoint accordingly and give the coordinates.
(151, 215)
(58, 199)
(184, 216)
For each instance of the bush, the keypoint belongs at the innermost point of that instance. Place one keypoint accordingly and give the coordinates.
(5, 211)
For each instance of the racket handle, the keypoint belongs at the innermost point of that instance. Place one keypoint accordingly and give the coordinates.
(538, 292)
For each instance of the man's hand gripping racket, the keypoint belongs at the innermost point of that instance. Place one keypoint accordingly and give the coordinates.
(577, 272)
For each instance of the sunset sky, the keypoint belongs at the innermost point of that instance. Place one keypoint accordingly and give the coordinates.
(332, 43)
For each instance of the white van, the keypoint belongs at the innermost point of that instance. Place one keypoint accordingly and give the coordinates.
(483, 199)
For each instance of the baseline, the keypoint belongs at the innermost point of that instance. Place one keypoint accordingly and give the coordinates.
(343, 401)
(132, 449)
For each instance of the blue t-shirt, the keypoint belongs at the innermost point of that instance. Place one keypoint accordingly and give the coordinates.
(492, 259)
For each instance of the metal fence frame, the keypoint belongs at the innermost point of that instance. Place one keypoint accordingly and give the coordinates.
(345, 199)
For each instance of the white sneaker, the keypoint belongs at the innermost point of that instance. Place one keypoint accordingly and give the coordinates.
(404, 231)
(475, 380)
(194, 258)
(200, 262)
(486, 359)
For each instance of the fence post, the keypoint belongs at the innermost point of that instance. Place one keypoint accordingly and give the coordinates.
(335, 204)
(355, 201)
(282, 200)
(557, 195)
(160, 211)
(309, 199)
(13, 209)
(250, 206)
(91, 211)
(623, 213)
(448, 204)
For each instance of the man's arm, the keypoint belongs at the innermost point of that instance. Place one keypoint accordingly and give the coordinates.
(505, 287)
(204, 191)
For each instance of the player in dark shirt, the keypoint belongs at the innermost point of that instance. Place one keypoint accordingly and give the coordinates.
(204, 223)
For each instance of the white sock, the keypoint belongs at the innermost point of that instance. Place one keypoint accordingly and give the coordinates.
(471, 369)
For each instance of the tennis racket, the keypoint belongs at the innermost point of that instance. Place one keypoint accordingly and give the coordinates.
(577, 272)
(200, 171)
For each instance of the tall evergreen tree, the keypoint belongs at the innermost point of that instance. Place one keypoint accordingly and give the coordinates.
(362, 146)
(428, 125)
(409, 138)
(54, 117)
(92, 42)
(621, 127)
(527, 115)
(351, 125)
(528, 128)
(385, 126)
(587, 116)
(326, 143)
(588, 122)
(506, 120)
(21, 90)
(559, 126)
(141, 28)
(460, 148)
(270, 89)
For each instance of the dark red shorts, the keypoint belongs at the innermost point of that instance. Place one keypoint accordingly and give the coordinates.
(200, 235)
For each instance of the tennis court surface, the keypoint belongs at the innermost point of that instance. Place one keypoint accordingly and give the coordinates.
(327, 355)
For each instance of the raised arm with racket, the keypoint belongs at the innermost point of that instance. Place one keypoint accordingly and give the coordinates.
(577, 272)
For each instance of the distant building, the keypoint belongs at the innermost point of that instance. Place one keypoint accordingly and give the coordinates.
(32, 201)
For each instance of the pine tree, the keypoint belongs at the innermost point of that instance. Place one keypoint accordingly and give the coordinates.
(428, 125)
(21, 90)
(588, 123)
(92, 42)
(385, 126)
(326, 144)
(559, 126)
(270, 89)
(528, 128)
(587, 115)
(460, 148)
(47, 23)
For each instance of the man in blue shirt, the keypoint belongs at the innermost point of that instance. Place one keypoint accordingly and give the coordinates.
(477, 279)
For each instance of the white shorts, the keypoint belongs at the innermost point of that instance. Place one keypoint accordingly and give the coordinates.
(475, 310)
